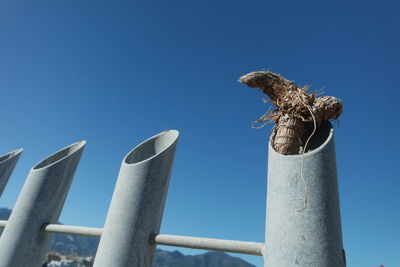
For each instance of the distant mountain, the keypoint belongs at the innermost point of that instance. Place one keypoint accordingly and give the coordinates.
(74, 245)
(209, 259)
(87, 246)
(4, 213)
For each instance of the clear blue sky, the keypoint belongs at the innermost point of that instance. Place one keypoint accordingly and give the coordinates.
(117, 72)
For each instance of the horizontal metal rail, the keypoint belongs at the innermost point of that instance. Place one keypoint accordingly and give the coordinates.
(242, 247)
(73, 230)
(67, 229)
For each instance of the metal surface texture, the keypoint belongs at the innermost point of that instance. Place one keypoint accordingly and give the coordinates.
(251, 248)
(311, 236)
(66, 229)
(137, 204)
(7, 164)
(23, 242)
(243, 247)
(72, 230)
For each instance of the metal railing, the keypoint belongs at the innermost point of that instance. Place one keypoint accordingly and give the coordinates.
(310, 237)
(242, 247)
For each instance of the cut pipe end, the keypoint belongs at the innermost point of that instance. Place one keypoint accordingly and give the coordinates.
(10, 155)
(319, 140)
(60, 155)
(152, 147)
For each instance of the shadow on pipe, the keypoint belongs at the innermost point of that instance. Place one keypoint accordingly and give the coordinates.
(7, 164)
(137, 204)
(23, 242)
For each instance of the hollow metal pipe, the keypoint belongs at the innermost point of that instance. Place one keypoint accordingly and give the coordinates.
(250, 248)
(23, 242)
(243, 247)
(66, 229)
(7, 164)
(72, 230)
(297, 234)
(137, 204)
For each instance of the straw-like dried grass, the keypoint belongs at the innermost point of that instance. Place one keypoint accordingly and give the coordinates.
(298, 113)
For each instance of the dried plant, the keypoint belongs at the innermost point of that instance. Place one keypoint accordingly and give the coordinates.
(298, 113)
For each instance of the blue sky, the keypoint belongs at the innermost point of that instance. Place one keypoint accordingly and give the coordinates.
(116, 73)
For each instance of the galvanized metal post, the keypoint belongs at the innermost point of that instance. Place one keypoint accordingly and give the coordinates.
(24, 242)
(137, 204)
(7, 164)
(311, 236)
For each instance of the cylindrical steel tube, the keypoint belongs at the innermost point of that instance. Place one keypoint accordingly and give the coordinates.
(137, 204)
(7, 164)
(243, 247)
(23, 242)
(298, 236)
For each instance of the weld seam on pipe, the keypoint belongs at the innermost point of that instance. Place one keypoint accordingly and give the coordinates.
(242, 247)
